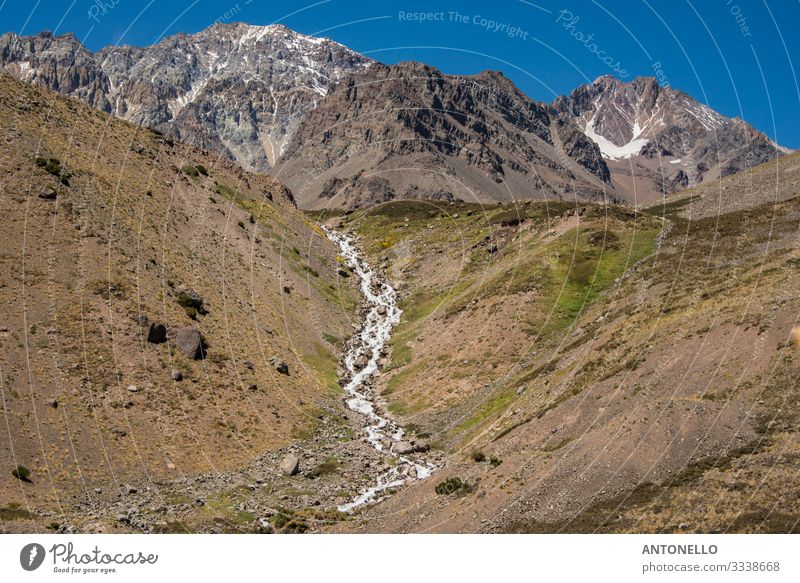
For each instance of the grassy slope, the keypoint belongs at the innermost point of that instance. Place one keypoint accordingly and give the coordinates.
(132, 227)
(665, 399)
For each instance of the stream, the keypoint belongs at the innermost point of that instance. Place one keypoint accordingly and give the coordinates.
(360, 365)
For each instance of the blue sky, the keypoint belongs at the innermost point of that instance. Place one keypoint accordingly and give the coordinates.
(738, 56)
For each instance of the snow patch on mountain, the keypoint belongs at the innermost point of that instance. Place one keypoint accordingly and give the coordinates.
(612, 151)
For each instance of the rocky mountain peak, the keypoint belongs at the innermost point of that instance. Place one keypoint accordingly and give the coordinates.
(436, 127)
(235, 88)
(666, 138)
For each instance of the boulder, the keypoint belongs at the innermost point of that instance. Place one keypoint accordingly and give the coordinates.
(403, 448)
(190, 341)
(290, 465)
(48, 193)
(176, 375)
(381, 310)
(279, 365)
(361, 362)
(156, 333)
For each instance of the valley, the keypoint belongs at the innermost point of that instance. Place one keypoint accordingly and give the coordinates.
(256, 282)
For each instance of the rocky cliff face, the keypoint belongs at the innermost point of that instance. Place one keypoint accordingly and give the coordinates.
(668, 138)
(261, 96)
(426, 134)
(233, 88)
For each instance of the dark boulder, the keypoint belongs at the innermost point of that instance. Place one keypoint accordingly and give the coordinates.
(156, 333)
(48, 193)
(279, 365)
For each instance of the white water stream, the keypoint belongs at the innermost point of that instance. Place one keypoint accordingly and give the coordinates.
(382, 315)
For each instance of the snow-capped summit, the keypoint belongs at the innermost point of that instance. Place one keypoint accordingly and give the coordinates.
(235, 88)
(669, 138)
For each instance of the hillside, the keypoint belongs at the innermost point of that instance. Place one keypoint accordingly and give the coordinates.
(589, 368)
(408, 131)
(162, 312)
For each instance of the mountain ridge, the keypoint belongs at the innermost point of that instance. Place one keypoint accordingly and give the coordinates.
(244, 91)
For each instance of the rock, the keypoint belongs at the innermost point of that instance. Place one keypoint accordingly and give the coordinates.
(48, 193)
(133, 389)
(249, 364)
(119, 432)
(156, 333)
(279, 365)
(170, 466)
(199, 502)
(123, 518)
(361, 362)
(252, 387)
(176, 375)
(402, 448)
(190, 341)
(290, 465)
(343, 272)
(128, 404)
(131, 489)
(492, 248)
(381, 310)
(421, 447)
(52, 403)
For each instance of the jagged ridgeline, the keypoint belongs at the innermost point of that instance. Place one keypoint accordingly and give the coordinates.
(343, 130)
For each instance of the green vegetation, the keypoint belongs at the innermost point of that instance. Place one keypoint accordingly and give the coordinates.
(202, 169)
(53, 166)
(192, 304)
(21, 473)
(190, 170)
(477, 456)
(453, 485)
(329, 466)
(14, 511)
(495, 404)
(228, 192)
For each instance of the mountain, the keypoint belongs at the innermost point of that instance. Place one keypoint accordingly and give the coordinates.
(149, 293)
(236, 89)
(409, 131)
(659, 140)
(262, 96)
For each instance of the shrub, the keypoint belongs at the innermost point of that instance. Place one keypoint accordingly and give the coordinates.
(192, 304)
(241, 224)
(329, 466)
(190, 171)
(494, 461)
(21, 473)
(53, 166)
(202, 169)
(477, 456)
(453, 485)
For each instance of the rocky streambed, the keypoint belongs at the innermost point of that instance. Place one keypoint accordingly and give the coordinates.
(360, 366)
(357, 456)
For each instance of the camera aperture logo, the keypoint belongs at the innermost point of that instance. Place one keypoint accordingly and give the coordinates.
(31, 556)
(67, 560)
